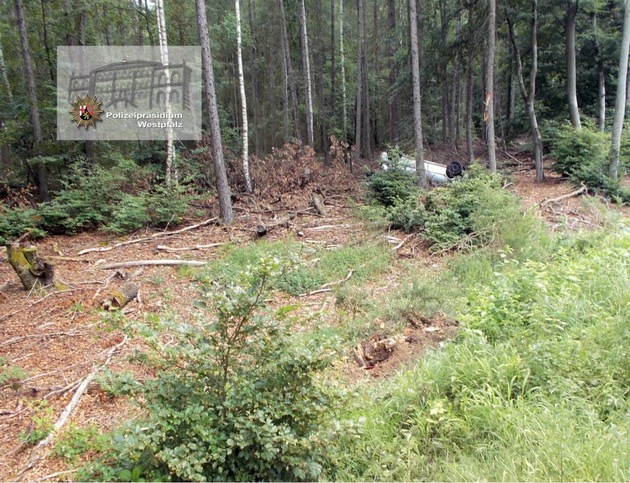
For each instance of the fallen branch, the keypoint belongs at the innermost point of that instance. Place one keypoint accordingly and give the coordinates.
(74, 402)
(144, 263)
(582, 189)
(14, 340)
(185, 249)
(148, 238)
(326, 287)
(399, 246)
(338, 282)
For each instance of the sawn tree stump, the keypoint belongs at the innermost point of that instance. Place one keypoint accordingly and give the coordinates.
(34, 272)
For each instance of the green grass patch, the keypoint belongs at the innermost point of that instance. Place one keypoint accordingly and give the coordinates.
(536, 385)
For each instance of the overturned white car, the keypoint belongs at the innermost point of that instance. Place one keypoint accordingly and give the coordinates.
(436, 173)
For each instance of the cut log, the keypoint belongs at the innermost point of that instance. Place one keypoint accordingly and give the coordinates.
(263, 229)
(35, 272)
(120, 297)
(318, 203)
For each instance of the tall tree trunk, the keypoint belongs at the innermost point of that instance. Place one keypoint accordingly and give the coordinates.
(319, 79)
(530, 95)
(333, 66)
(171, 171)
(3, 73)
(359, 102)
(444, 84)
(285, 84)
(223, 188)
(489, 117)
(367, 132)
(469, 86)
(569, 27)
(601, 79)
(42, 174)
(344, 94)
(306, 64)
(393, 94)
(51, 67)
(291, 72)
(241, 83)
(620, 102)
(417, 103)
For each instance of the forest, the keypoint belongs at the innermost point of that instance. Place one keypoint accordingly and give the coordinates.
(288, 293)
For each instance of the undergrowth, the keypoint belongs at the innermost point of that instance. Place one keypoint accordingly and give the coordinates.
(535, 386)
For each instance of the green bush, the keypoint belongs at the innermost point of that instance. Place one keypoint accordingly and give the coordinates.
(16, 221)
(236, 397)
(394, 185)
(584, 155)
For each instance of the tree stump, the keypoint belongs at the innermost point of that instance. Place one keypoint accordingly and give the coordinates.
(34, 272)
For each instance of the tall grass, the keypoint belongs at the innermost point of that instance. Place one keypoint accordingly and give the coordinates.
(535, 387)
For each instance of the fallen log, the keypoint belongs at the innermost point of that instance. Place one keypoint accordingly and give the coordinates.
(577, 192)
(148, 238)
(185, 249)
(263, 229)
(144, 263)
(120, 297)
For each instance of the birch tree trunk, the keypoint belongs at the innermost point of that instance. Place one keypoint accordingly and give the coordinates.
(306, 65)
(570, 24)
(241, 83)
(417, 102)
(42, 174)
(171, 172)
(5, 78)
(489, 117)
(620, 102)
(223, 188)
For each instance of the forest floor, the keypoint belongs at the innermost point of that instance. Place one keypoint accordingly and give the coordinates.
(56, 340)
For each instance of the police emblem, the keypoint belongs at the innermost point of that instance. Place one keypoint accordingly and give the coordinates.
(86, 111)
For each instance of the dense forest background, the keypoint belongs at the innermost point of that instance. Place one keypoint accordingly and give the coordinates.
(352, 75)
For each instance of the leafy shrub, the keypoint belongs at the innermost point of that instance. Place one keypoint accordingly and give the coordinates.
(16, 221)
(394, 185)
(236, 396)
(584, 156)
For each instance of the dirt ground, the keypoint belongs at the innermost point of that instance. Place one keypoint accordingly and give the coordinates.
(58, 339)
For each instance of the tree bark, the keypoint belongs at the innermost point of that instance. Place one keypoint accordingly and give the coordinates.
(570, 27)
(620, 102)
(42, 173)
(344, 94)
(306, 65)
(290, 71)
(359, 102)
(223, 188)
(34, 272)
(469, 86)
(529, 95)
(393, 94)
(241, 84)
(417, 102)
(489, 118)
(171, 172)
(5, 78)
(601, 79)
